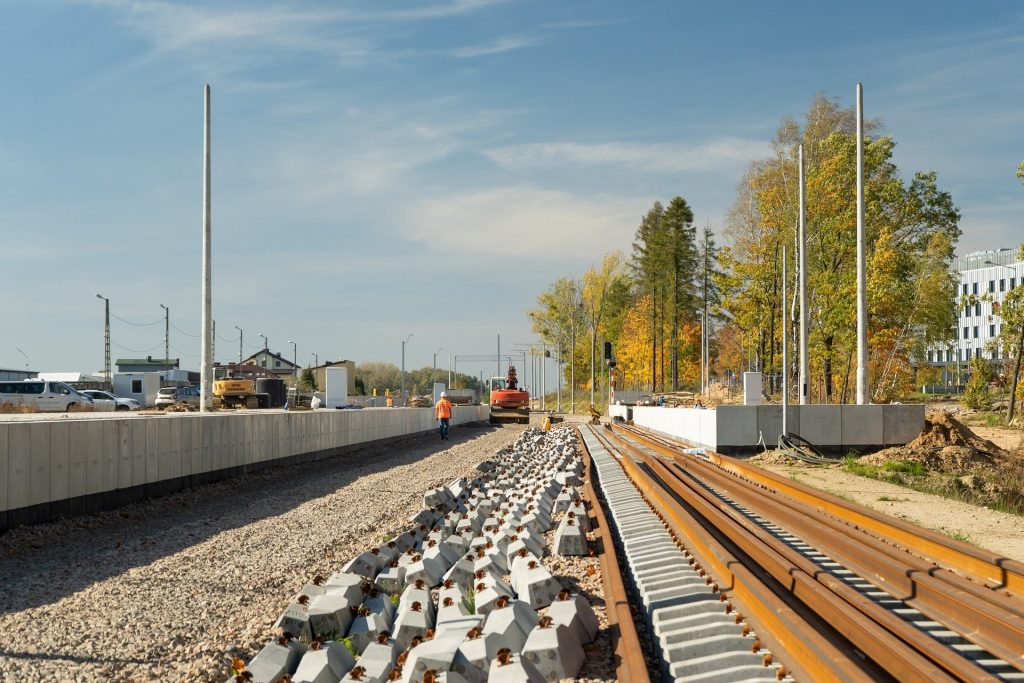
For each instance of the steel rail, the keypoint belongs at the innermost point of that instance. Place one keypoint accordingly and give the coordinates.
(995, 571)
(988, 619)
(796, 635)
(629, 656)
(881, 635)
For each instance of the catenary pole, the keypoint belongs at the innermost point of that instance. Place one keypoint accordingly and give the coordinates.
(206, 369)
(862, 301)
(785, 351)
(802, 272)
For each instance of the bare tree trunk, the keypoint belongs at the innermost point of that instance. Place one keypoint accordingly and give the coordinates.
(654, 338)
(1016, 373)
(828, 369)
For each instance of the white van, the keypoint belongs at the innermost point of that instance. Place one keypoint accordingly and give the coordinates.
(43, 395)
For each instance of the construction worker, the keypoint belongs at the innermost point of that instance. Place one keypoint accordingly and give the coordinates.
(595, 415)
(443, 411)
(546, 425)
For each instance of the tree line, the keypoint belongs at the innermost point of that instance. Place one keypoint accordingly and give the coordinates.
(676, 280)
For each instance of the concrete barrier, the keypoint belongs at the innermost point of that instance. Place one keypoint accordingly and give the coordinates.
(51, 468)
(737, 429)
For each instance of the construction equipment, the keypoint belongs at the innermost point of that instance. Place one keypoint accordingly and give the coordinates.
(595, 416)
(509, 403)
(235, 393)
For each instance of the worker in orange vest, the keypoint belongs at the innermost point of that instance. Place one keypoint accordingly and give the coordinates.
(443, 411)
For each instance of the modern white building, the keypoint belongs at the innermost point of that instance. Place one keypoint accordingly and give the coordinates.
(985, 279)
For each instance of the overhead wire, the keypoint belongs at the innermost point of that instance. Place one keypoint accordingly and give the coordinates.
(125, 348)
(129, 322)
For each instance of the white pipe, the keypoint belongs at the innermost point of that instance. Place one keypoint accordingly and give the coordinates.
(862, 301)
(206, 369)
(803, 282)
(785, 351)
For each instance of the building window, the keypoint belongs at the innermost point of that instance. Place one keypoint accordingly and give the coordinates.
(1013, 282)
(967, 311)
(1002, 285)
(277, 363)
(975, 330)
(977, 309)
(977, 353)
(263, 363)
(991, 286)
(995, 355)
(930, 356)
(966, 334)
(136, 386)
(965, 288)
(974, 288)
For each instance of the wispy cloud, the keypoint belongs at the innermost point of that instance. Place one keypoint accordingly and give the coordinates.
(498, 45)
(719, 153)
(522, 221)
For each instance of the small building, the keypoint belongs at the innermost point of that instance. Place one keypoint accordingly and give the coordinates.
(147, 364)
(11, 375)
(142, 386)
(320, 373)
(239, 371)
(274, 363)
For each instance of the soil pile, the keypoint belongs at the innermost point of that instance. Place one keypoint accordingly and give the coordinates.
(945, 445)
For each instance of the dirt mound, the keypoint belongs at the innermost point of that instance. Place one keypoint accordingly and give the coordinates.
(942, 429)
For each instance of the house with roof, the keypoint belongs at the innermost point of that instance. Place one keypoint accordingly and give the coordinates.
(274, 363)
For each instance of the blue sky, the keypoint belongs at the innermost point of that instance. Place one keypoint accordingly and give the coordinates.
(386, 168)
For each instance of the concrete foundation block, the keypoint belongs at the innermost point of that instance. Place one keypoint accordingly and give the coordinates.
(512, 620)
(417, 592)
(476, 652)
(522, 543)
(295, 619)
(330, 616)
(579, 514)
(412, 622)
(381, 603)
(554, 650)
(275, 660)
(570, 539)
(575, 613)
(460, 544)
(462, 572)
(430, 570)
(436, 654)
(376, 662)
(366, 628)
(392, 578)
(511, 668)
(459, 627)
(363, 564)
(450, 609)
(328, 664)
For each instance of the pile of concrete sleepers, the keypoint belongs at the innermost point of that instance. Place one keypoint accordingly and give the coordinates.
(462, 595)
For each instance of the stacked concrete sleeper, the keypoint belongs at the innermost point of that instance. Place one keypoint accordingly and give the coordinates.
(455, 597)
(693, 637)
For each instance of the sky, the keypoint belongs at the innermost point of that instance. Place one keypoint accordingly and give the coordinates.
(382, 169)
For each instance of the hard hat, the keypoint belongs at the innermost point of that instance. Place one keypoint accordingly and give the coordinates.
(444, 394)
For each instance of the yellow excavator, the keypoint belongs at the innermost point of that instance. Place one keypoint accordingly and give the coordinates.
(235, 393)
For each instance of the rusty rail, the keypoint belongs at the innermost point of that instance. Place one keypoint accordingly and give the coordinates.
(808, 646)
(629, 655)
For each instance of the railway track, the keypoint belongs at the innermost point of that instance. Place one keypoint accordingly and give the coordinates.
(744, 575)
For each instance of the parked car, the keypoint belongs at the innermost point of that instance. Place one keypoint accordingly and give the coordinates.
(44, 396)
(172, 396)
(106, 401)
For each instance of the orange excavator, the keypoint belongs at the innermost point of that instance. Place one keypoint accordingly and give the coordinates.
(509, 403)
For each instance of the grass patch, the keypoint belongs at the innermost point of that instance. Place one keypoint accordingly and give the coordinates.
(960, 536)
(910, 467)
(890, 499)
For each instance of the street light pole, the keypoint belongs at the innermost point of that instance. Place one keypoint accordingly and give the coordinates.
(106, 341)
(266, 342)
(241, 336)
(27, 361)
(167, 333)
(404, 342)
(295, 358)
(434, 372)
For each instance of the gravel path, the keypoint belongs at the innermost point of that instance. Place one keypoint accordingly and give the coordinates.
(167, 589)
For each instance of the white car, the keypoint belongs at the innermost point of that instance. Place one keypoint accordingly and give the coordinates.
(44, 396)
(104, 401)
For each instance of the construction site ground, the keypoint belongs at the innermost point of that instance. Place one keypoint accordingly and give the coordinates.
(958, 478)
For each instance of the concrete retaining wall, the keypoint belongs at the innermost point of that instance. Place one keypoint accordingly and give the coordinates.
(52, 468)
(737, 429)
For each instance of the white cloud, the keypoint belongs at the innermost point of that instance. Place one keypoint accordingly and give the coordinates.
(720, 153)
(509, 223)
(497, 46)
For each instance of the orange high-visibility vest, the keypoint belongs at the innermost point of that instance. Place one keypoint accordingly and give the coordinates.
(444, 409)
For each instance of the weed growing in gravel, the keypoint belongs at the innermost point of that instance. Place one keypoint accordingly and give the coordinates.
(347, 642)
(470, 600)
(960, 536)
(890, 499)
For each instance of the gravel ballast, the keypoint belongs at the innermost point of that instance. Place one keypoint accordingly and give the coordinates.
(171, 589)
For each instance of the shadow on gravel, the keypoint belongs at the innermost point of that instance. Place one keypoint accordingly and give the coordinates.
(41, 564)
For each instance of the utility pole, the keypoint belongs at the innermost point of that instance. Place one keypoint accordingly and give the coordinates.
(802, 270)
(433, 373)
(213, 342)
(295, 358)
(206, 370)
(106, 341)
(241, 336)
(862, 300)
(543, 375)
(499, 355)
(449, 371)
(167, 333)
(404, 342)
(785, 352)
